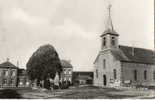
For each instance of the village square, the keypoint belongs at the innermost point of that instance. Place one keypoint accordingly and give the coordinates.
(119, 71)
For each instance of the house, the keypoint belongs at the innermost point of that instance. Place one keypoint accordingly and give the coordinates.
(67, 68)
(82, 77)
(12, 76)
(8, 74)
(23, 80)
(118, 65)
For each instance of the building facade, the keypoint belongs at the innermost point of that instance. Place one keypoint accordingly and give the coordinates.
(82, 78)
(12, 76)
(118, 65)
(23, 80)
(67, 72)
(8, 75)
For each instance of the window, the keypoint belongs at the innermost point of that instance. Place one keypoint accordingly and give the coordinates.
(24, 81)
(4, 81)
(69, 71)
(104, 63)
(5, 73)
(64, 78)
(11, 81)
(96, 73)
(135, 75)
(115, 74)
(69, 79)
(64, 71)
(154, 75)
(104, 41)
(12, 73)
(113, 40)
(145, 74)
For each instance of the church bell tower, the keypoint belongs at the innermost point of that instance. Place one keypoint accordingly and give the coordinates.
(109, 36)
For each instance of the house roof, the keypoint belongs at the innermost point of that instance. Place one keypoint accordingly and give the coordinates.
(7, 64)
(66, 64)
(22, 72)
(83, 77)
(133, 54)
(76, 74)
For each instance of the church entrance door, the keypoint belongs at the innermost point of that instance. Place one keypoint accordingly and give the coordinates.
(104, 80)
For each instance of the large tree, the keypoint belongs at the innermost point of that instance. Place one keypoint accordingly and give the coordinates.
(44, 64)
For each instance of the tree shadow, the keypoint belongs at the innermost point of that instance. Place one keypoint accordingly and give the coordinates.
(9, 93)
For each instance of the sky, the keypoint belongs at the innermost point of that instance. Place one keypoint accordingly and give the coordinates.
(73, 27)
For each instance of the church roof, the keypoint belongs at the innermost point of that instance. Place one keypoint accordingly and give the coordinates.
(134, 54)
(7, 64)
(66, 64)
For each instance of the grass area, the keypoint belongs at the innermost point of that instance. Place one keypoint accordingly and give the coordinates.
(92, 93)
(86, 92)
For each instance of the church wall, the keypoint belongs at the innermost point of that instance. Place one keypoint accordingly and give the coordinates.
(128, 73)
(111, 63)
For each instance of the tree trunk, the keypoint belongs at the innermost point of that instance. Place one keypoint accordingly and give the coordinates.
(42, 83)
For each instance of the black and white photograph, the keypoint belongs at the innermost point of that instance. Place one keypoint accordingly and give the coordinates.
(77, 49)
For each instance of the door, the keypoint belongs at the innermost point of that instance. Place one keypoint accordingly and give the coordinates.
(104, 80)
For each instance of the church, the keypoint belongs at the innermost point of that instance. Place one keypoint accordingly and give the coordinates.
(118, 65)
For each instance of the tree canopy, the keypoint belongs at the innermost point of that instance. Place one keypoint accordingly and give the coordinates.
(44, 63)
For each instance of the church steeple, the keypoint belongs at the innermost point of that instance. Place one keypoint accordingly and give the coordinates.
(109, 24)
(109, 28)
(109, 36)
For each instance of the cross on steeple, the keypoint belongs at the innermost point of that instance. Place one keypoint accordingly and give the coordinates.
(109, 8)
(7, 59)
(109, 25)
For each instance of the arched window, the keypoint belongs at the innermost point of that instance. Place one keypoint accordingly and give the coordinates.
(112, 40)
(145, 74)
(96, 73)
(12, 73)
(104, 63)
(115, 74)
(154, 75)
(135, 75)
(104, 41)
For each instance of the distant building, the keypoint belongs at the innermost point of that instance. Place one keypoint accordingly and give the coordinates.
(23, 80)
(67, 68)
(118, 65)
(12, 76)
(82, 78)
(8, 74)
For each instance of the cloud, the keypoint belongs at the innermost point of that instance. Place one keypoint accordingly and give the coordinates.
(18, 14)
(71, 28)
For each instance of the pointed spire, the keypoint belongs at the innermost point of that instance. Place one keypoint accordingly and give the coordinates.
(109, 29)
(109, 25)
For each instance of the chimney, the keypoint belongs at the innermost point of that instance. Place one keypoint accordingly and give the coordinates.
(133, 51)
(17, 63)
(7, 59)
